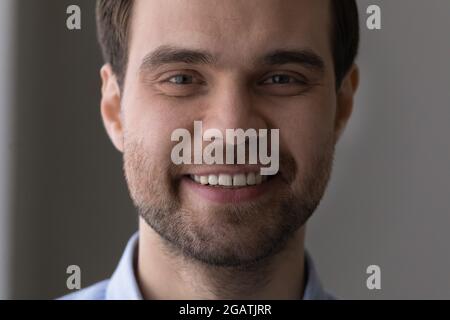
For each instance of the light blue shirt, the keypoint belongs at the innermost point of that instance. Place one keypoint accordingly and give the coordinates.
(123, 284)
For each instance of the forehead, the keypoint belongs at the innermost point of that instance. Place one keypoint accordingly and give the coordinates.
(234, 30)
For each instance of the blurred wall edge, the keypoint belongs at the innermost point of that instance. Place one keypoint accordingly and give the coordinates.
(69, 202)
(6, 10)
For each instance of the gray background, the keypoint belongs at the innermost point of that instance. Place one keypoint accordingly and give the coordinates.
(66, 202)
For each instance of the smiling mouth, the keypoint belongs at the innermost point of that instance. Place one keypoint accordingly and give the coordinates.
(230, 187)
(231, 181)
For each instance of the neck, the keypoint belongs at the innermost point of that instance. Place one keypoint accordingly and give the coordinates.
(164, 275)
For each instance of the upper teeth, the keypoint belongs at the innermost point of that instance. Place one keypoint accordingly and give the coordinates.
(236, 180)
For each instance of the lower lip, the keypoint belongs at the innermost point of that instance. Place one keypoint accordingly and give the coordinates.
(229, 195)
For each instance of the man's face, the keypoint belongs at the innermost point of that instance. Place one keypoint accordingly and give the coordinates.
(268, 66)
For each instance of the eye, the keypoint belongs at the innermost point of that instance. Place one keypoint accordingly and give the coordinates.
(181, 83)
(181, 79)
(282, 79)
(284, 84)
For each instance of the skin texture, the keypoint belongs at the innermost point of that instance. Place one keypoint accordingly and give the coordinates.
(190, 247)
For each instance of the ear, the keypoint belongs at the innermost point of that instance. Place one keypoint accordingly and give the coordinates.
(345, 97)
(110, 107)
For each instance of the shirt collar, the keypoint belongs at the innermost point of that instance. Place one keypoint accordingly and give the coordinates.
(313, 288)
(123, 283)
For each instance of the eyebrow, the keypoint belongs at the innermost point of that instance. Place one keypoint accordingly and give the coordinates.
(170, 54)
(306, 58)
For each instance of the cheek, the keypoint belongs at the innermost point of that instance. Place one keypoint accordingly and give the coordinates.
(306, 129)
(306, 126)
(151, 121)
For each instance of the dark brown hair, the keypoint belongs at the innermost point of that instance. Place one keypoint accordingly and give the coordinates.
(113, 24)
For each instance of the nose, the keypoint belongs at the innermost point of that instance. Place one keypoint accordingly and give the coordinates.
(232, 106)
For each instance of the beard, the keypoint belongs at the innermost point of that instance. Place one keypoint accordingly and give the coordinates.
(225, 235)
